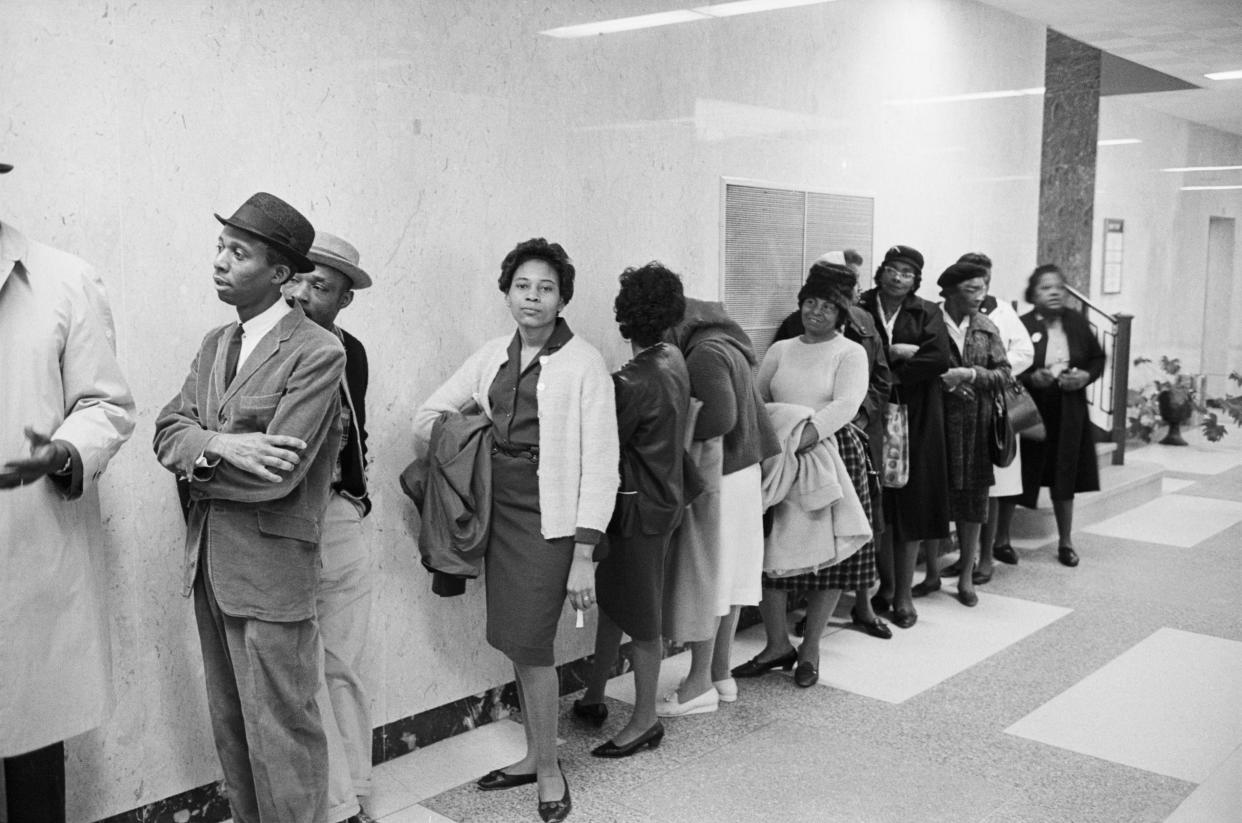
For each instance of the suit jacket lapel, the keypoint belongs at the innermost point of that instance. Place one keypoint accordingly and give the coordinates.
(222, 353)
(268, 346)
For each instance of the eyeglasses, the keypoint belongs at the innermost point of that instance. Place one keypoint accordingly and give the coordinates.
(905, 275)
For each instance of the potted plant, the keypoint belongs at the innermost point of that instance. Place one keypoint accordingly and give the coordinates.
(1171, 397)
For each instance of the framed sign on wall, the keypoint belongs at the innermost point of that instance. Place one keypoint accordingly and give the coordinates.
(1114, 246)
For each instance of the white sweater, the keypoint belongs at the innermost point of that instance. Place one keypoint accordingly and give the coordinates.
(578, 450)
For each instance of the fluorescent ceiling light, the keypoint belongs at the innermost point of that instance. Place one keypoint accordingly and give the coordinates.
(642, 21)
(1210, 188)
(752, 6)
(977, 95)
(1236, 74)
(669, 18)
(1205, 168)
(1120, 141)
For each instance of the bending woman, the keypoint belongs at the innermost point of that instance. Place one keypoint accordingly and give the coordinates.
(554, 483)
(653, 401)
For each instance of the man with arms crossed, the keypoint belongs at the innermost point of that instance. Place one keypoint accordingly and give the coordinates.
(345, 581)
(256, 432)
(65, 409)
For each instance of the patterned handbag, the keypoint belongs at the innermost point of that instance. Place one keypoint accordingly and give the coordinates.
(895, 471)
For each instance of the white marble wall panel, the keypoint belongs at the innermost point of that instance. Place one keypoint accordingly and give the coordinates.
(435, 135)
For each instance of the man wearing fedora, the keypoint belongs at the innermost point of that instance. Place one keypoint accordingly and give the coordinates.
(345, 580)
(256, 431)
(65, 410)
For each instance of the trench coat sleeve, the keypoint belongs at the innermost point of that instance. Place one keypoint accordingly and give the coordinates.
(879, 385)
(932, 358)
(304, 411)
(99, 409)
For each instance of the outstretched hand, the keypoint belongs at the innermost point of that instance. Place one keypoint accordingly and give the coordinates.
(262, 455)
(45, 458)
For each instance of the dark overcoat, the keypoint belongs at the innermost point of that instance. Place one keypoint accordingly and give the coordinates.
(920, 511)
(1066, 461)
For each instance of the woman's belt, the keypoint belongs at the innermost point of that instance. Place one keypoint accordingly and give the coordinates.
(530, 453)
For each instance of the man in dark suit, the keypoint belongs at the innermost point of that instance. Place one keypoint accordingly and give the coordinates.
(256, 430)
(345, 580)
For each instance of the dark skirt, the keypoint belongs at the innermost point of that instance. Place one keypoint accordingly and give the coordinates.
(857, 570)
(1065, 461)
(629, 583)
(968, 505)
(920, 510)
(525, 575)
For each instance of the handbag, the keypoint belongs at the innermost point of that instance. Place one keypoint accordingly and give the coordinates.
(895, 470)
(1024, 415)
(1002, 442)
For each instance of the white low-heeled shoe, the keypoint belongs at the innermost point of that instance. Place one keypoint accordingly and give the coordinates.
(706, 702)
(727, 689)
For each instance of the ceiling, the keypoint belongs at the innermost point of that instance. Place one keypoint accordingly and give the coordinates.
(1181, 38)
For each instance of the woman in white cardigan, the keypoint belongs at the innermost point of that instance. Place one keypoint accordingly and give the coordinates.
(554, 482)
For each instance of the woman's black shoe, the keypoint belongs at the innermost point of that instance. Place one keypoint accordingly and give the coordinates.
(880, 604)
(755, 667)
(981, 578)
(553, 811)
(1005, 554)
(923, 588)
(904, 619)
(874, 627)
(806, 675)
(1067, 556)
(499, 779)
(651, 737)
(595, 713)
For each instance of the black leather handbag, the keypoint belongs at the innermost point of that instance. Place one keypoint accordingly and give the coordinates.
(1002, 442)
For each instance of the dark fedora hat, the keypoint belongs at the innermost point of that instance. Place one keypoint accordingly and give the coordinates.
(278, 224)
(5, 168)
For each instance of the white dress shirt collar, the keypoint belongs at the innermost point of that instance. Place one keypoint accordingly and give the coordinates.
(257, 327)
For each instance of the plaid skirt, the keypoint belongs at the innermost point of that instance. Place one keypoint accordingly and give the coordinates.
(858, 569)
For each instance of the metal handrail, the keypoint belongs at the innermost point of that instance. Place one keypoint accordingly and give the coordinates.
(1108, 394)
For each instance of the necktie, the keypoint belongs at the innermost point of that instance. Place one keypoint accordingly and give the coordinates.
(230, 356)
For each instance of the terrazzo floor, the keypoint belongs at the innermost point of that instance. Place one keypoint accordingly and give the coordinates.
(1110, 693)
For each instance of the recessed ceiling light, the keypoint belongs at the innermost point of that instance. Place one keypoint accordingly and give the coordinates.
(1236, 74)
(642, 21)
(974, 95)
(1205, 168)
(752, 6)
(668, 18)
(1120, 141)
(1210, 188)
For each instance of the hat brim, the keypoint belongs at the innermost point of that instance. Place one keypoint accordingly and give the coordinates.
(918, 267)
(5, 168)
(300, 262)
(359, 278)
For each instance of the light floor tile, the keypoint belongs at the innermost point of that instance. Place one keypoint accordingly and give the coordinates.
(1169, 485)
(1174, 520)
(948, 639)
(1218, 799)
(1198, 457)
(424, 773)
(1167, 705)
(415, 814)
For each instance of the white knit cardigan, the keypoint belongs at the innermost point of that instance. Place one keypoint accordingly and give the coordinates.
(578, 450)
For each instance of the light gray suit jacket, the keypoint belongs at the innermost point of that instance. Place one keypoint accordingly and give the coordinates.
(263, 537)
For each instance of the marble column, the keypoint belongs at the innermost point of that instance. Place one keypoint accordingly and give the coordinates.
(1067, 166)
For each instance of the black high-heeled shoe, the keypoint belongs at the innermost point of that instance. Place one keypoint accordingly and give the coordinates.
(904, 619)
(756, 667)
(651, 738)
(554, 811)
(595, 713)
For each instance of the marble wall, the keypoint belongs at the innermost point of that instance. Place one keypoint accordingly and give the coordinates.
(1067, 173)
(435, 135)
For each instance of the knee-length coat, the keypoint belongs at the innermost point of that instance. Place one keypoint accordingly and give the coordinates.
(920, 511)
(1066, 461)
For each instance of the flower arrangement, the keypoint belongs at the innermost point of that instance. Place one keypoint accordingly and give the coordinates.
(1171, 396)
